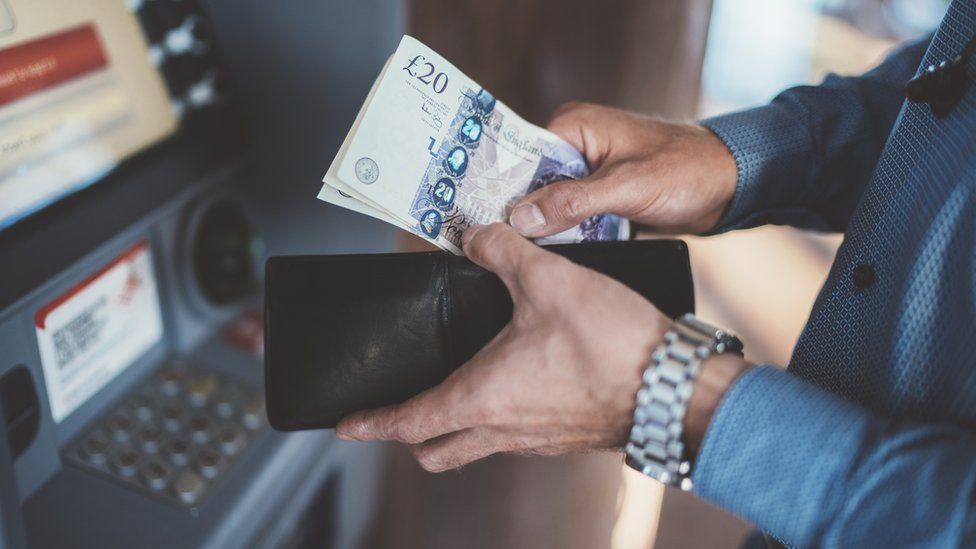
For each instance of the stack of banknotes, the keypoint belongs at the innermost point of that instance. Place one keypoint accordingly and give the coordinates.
(434, 153)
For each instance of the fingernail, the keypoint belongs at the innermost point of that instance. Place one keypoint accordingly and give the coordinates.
(343, 432)
(469, 233)
(527, 219)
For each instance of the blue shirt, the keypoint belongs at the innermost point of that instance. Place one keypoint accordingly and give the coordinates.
(869, 438)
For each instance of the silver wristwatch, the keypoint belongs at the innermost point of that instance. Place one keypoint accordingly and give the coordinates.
(656, 447)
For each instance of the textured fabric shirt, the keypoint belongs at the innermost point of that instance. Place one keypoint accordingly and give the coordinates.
(869, 438)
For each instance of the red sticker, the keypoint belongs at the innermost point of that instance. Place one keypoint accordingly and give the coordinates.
(46, 62)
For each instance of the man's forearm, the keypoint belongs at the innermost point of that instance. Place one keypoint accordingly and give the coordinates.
(718, 373)
(815, 469)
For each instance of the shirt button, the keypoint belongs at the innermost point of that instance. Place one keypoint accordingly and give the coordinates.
(863, 276)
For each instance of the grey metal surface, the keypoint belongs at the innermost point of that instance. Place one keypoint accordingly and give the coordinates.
(81, 509)
(303, 67)
(12, 534)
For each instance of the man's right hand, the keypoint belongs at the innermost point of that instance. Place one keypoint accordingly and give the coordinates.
(672, 178)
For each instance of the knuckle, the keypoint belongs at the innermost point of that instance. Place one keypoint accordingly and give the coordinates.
(489, 413)
(411, 437)
(483, 243)
(488, 236)
(573, 202)
(489, 241)
(573, 108)
(569, 116)
(406, 431)
(400, 432)
(565, 108)
(494, 231)
(475, 250)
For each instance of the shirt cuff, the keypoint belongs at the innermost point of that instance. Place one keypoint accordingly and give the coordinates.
(776, 449)
(772, 152)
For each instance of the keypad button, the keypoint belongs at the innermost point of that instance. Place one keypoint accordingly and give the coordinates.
(124, 462)
(120, 427)
(178, 450)
(200, 389)
(231, 439)
(172, 416)
(149, 438)
(94, 450)
(252, 414)
(209, 462)
(171, 378)
(155, 474)
(144, 407)
(199, 426)
(227, 401)
(188, 487)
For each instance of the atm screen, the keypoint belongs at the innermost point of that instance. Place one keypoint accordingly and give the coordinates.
(78, 94)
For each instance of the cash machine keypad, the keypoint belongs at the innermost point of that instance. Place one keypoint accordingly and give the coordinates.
(176, 435)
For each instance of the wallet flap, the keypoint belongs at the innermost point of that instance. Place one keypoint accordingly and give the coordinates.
(350, 332)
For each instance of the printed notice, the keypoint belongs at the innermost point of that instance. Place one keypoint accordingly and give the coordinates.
(95, 330)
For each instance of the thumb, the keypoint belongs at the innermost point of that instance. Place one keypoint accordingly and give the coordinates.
(498, 248)
(559, 206)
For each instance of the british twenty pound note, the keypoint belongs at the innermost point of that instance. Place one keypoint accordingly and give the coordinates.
(433, 152)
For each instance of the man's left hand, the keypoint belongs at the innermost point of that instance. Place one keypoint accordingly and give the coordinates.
(561, 376)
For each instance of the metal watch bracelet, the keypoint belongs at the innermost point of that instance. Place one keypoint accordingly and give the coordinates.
(656, 447)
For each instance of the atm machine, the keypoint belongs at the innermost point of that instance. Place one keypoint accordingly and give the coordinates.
(152, 154)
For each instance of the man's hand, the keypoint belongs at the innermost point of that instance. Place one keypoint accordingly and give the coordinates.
(672, 178)
(561, 376)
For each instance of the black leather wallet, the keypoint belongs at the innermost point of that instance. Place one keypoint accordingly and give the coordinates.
(349, 332)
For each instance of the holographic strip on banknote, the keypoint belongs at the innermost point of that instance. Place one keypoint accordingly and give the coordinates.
(484, 166)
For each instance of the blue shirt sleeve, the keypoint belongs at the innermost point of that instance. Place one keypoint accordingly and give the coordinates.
(805, 158)
(814, 469)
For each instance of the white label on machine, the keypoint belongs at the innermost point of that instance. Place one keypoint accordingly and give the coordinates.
(96, 329)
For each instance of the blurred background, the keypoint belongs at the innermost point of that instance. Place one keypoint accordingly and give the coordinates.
(153, 153)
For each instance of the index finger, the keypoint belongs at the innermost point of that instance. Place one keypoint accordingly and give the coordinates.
(411, 422)
(443, 409)
(425, 416)
(501, 250)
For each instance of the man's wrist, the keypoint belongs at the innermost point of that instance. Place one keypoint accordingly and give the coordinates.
(717, 374)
